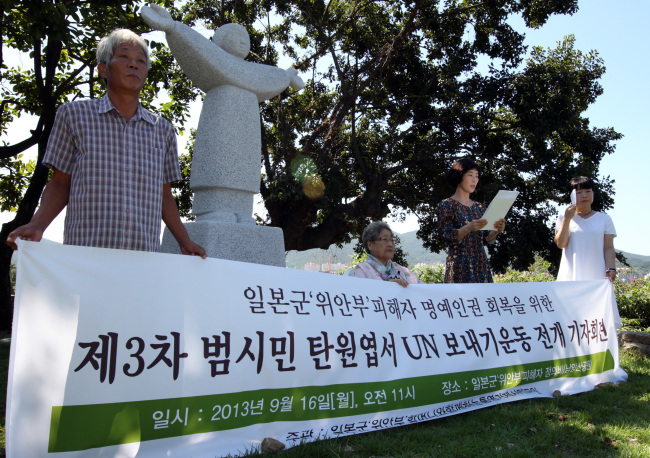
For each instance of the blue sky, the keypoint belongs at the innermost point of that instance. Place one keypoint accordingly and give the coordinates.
(618, 31)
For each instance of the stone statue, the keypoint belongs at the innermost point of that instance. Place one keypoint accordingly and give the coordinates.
(226, 161)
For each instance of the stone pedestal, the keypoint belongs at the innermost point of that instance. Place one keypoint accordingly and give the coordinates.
(637, 340)
(233, 241)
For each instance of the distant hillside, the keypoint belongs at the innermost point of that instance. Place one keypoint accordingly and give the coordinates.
(638, 262)
(415, 254)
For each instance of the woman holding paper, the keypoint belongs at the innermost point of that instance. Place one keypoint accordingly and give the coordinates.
(585, 236)
(461, 227)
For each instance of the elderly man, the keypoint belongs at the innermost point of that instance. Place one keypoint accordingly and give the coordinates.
(113, 162)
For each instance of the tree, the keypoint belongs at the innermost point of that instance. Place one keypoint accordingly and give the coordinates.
(398, 90)
(60, 38)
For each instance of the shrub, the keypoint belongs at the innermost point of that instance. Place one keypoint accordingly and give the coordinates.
(633, 300)
(537, 272)
(430, 274)
(12, 278)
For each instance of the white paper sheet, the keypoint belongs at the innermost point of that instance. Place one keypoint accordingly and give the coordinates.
(499, 207)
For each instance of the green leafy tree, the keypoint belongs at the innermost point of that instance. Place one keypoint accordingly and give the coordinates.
(60, 38)
(398, 90)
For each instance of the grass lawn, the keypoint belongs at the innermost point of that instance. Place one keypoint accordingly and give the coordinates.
(612, 420)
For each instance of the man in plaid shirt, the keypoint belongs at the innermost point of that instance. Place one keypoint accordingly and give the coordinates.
(113, 162)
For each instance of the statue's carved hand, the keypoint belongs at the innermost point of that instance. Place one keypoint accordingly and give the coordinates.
(157, 17)
(295, 81)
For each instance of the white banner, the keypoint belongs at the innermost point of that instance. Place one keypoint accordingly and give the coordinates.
(123, 353)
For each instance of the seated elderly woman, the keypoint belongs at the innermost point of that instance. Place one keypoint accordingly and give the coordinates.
(378, 241)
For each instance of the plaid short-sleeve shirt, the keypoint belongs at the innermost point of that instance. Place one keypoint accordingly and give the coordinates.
(118, 169)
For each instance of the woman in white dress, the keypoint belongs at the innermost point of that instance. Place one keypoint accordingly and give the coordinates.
(586, 237)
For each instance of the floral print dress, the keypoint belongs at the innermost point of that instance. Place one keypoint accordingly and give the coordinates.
(466, 260)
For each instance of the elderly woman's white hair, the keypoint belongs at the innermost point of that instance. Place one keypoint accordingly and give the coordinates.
(371, 233)
(106, 46)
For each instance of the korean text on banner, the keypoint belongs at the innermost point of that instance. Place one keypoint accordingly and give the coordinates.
(145, 354)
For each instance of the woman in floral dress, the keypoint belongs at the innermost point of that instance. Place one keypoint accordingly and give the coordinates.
(460, 226)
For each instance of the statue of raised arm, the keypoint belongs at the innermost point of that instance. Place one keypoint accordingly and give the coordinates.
(226, 162)
(211, 63)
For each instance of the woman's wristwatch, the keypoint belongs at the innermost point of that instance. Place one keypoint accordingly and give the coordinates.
(611, 269)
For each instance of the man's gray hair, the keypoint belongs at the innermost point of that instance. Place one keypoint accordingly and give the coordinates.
(106, 46)
(371, 233)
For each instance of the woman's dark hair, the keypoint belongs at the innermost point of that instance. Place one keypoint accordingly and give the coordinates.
(371, 233)
(582, 183)
(459, 168)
